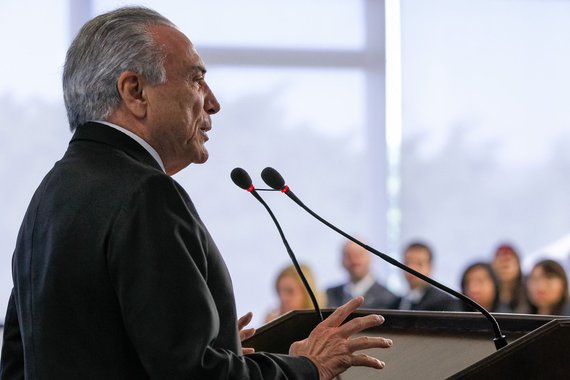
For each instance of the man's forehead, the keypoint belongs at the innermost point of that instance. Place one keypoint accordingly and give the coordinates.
(194, 63)
(417, 251)
(175, 42)
(354, 250)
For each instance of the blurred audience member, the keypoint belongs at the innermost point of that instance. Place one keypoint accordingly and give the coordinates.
(507, 266)
(548, 289)
(480, 283)
(356, 261)
(292, 293)
(421, 295)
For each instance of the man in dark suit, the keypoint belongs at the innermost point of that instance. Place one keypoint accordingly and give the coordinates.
(115, 275)
(421, 295)
(356, 261)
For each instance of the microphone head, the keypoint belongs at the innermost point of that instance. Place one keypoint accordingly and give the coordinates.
(241, 178)
(272, 178)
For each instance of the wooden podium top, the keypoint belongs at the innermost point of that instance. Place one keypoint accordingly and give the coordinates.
(427, 345)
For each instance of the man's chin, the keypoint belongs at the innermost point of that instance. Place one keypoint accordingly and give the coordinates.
(202, 158)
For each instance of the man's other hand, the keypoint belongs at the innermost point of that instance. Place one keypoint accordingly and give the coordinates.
(246, 333)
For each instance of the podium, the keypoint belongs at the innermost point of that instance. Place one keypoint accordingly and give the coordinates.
(443, 345)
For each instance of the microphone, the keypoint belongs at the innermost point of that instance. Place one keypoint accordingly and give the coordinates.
(240, 177)
(273, 179)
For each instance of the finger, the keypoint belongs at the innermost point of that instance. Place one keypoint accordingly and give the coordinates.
(367, 361)
(340, 314)
(248, 350)
(246, 334)
(244, 321)
(357, 325)
(365, 342)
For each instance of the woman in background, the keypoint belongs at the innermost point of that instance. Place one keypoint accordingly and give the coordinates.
(291, 292)
(480, 283)
(547, 288)
(507, 267)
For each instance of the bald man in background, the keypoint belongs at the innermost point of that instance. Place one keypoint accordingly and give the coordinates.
(357, 263)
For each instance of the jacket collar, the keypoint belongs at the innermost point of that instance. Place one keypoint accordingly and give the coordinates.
(104, 134)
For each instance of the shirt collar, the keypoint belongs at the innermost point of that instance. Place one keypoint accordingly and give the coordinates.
(417, 294)
(138, 139)
(361, 287)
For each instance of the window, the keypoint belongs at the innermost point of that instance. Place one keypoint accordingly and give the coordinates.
(485, 127)
(293, 86)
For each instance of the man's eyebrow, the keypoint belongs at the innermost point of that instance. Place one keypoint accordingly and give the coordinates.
(199, 68)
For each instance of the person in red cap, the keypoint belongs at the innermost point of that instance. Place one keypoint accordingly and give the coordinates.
(507, 266)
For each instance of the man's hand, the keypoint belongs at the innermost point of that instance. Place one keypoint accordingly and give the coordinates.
(331, 347)
(247, 333)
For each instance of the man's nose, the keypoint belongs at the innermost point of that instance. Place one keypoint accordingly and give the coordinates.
(211, 104)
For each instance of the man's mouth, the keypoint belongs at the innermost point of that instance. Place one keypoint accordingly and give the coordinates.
(204, 133)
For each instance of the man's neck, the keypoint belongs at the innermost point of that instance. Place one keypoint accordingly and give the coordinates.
(138, 139)
(418, 286)
(354, 280)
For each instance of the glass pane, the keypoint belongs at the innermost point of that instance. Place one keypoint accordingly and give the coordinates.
(309, 124)
(486, 132)
(333, 24)
(33, 53)
(33, 124)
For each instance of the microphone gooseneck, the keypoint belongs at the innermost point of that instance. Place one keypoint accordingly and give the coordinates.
(240, 177)
(273, 179)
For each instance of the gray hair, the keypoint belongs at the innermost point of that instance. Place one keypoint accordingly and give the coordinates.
(105, 47)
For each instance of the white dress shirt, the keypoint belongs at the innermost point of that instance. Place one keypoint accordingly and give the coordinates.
(361, 287)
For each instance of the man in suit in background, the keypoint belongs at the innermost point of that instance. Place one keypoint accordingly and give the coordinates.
(421, 295)
(356, 261)
(115, 275)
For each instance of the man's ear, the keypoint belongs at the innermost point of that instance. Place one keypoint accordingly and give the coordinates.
(130, 88)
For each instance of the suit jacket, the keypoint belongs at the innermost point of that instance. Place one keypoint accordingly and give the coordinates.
(376, 297)
(116, 277)
(433, 300)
